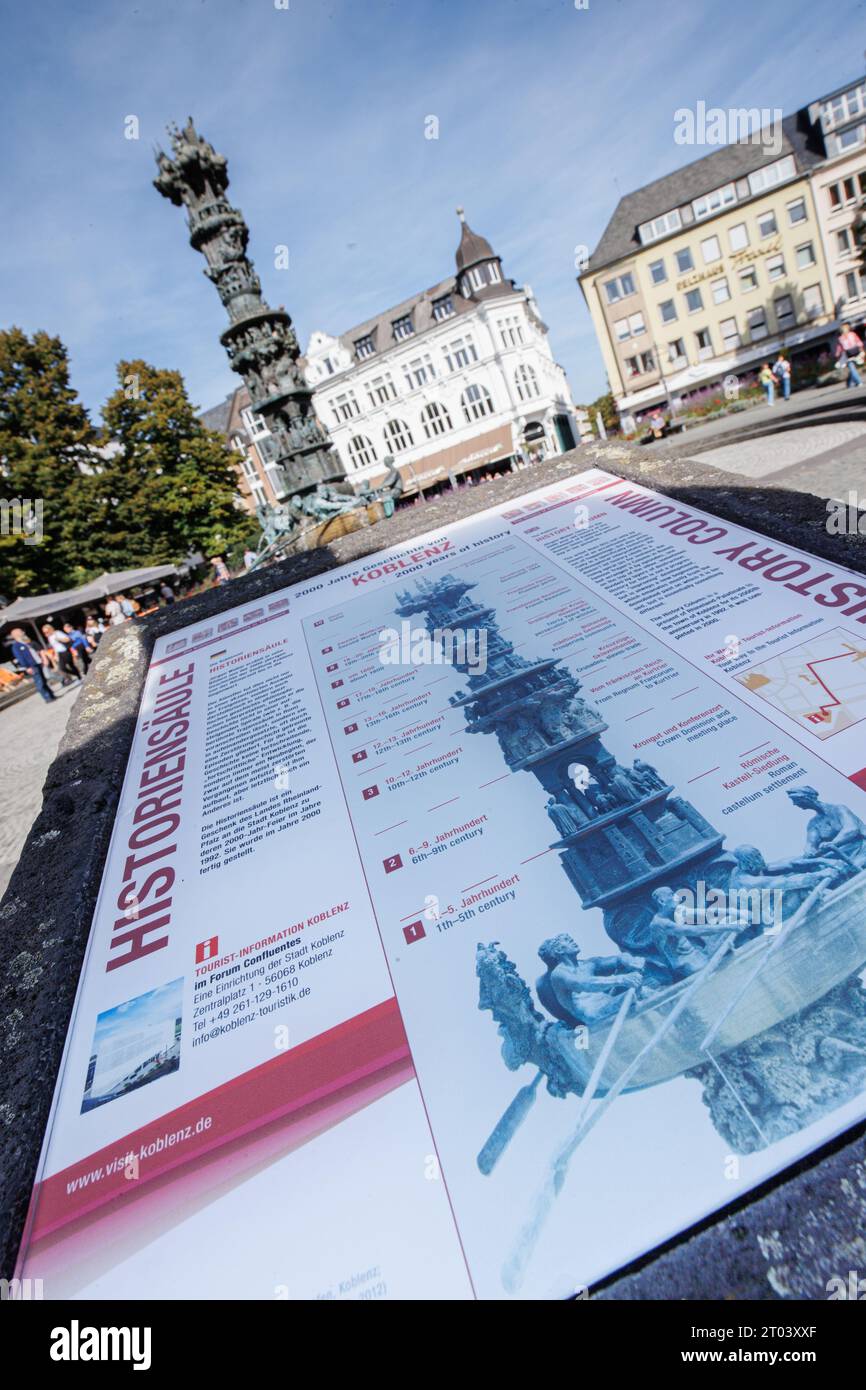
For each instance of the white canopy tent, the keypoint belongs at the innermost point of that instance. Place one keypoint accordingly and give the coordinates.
(46, 605)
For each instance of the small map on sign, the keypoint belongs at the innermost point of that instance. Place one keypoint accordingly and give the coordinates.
(821, 683)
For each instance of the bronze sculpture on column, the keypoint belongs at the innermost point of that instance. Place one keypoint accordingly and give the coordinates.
(261, 343)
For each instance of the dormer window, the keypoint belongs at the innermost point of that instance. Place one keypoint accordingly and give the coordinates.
(403, 328)
(475, 278)
(660, 226)
(364, 347)
(712, 202)
(442, 308)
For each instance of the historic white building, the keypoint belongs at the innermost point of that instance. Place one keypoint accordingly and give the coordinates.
(458, 379)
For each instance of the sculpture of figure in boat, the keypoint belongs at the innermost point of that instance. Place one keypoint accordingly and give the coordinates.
(582, 991)
(833, 829)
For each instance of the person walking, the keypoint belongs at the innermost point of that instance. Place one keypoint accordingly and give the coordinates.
(29, 659)
(62, 648)
(93, 629)
(782, 373)
(849, 350)
(221, 572)
(80, 645)
(167, 593)
(768, 381)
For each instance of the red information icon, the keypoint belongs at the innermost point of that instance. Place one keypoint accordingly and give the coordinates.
(341, 704)
(206, 949)
(369, 792)
(320, 622)
(325, 650)
(335, 685)
(350, 728)
(392, 863)
(333, 666)
(414, 932)
(360, 756)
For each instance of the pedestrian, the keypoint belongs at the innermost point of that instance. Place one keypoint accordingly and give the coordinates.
(167, 592)
(113, 610)
(62, 648)
(249, 558)
(768, 381)
(782, 373)
(221, 573)
(93, 629)
(29, 659)
(849, 351)
(127, 606)
(80, 645)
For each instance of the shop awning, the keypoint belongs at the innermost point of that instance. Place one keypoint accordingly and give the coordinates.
(456, 458)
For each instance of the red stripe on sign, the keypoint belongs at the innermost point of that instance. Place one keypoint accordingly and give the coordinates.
(859, 779)
(328, 1063)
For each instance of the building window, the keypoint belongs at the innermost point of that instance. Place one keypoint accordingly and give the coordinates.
(460, 353)
(511, 331)
(622, 330)
(797, 212)
(710, 203)
(767, 224)
(705, 344)
(710, 250)
(757, 321)
(684, 260)
(668, 310)
(398, 436)
(476, 402)
(676, 353)
(328, 365)
(641, 364)
(619, 288)
(784, 307)
(721, 291)
(730, 334)
(813, 301)
(738, 236)
(256, 425)
(346, 407)
(660, 226)
(381, 390)
(847, 139)
(772, 174)
(361, 451)
(694, 301)
(403, 328)
(658, 273)
(844, 107)
(442, 308)
(775, 266)
(476, 279)
(435, 419)
(748, 279)
(420, 371)
(853, 285)
(805, 255)
(843, 242)
(636, 325)
(364, 347)
(493, 273)
(526, 382)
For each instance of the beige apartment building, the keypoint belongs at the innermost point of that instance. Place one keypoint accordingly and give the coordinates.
(709, 271)
(839, 186)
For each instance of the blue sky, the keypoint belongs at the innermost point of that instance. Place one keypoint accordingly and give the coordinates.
(546, 115)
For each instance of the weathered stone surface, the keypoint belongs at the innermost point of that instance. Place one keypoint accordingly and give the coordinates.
(784, 1242)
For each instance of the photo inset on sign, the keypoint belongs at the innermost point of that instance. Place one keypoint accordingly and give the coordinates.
(134, 1043)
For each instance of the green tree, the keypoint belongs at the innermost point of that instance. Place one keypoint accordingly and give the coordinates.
(166, 485)
(605, 406)
(46, 440)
